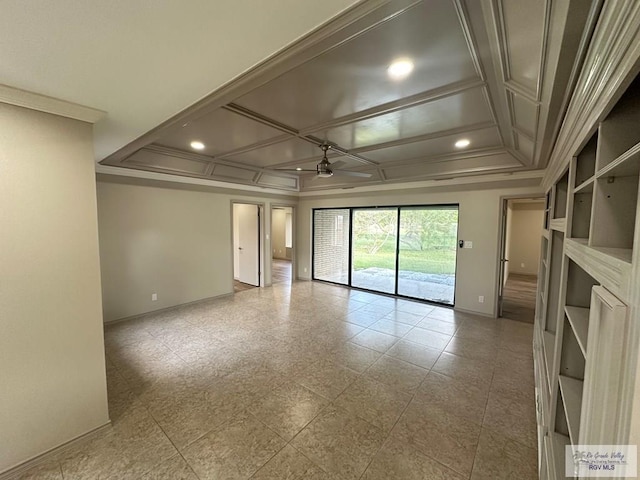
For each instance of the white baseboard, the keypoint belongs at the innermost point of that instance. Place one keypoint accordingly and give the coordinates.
(16, 471)
(166, 309)
(482, 314)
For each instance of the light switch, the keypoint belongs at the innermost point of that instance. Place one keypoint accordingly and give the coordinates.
(468, 244)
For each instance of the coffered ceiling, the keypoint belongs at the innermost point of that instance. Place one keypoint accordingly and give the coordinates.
(495, 73)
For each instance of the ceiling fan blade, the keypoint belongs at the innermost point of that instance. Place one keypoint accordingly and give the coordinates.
(295, 170)
(337, 164)
(349, 173)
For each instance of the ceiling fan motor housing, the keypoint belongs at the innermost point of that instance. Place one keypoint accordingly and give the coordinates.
(323, 170)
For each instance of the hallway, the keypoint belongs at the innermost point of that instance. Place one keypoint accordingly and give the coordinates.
(280, 271)
(519, 302)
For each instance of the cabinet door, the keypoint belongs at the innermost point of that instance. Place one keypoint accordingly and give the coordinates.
(602, 379)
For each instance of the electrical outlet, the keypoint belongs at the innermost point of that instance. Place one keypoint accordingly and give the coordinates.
(154, 297)
(305, 269)
(481, 299)
(522, 265)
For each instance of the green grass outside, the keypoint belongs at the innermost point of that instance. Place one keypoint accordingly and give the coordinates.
(433, 260)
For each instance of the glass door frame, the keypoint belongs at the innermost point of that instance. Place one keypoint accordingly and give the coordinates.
(385, 207)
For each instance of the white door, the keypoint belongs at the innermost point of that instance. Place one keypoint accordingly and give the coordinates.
(246, 243)
(502, 274)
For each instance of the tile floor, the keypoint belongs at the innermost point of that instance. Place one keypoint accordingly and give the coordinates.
(312, 381)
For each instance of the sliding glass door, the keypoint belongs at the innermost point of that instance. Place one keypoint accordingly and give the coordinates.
(427, 253)
(374, 239)
(405, 251)
(331, 229)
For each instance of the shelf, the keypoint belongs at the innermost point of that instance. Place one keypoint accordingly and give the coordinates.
(572, 399)
(585, 187)
(611, 267)
(586, 161)
(548, 346)
(558, 444)
(560, 197)
(581, 218)
(555, 260)
(614, 212)
(579, 320)
(559, 224)
(622, 254)
(618, 134)
(626, 165)
(545, 233)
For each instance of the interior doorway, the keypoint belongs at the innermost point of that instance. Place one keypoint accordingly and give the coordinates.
(522, 222)
(281, 244)
(246, 246)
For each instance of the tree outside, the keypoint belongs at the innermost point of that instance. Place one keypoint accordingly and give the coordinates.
(428, 239)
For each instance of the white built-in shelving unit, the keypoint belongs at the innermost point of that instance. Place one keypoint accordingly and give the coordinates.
(587, 325)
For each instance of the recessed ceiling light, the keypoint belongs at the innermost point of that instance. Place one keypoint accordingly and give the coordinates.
(463, 143)
(400, 69)
(298, 168)
(197, 145)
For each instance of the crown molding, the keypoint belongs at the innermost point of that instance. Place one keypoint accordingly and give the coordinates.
(612, 60)
(42, 103)
(471, 180)
(166, 177)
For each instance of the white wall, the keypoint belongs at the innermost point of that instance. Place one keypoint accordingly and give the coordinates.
(524, 241)
(52, 372)
(167, 238)
(479, 222)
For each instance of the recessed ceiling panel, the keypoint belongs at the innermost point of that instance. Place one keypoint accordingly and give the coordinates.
(276, 181)
(353, 76)
(473, 165)
(226, 171)
(463, 109)
(524, 28)
(525, 146)
(220, 131)
(288, 151)
(148, 158)
(525, 114)
(484, 138)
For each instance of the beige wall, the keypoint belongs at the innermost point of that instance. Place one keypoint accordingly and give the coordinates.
(479, 222)
(52, 372)
(174, 240)
(278, 249)
(278, 233)
(524, 241)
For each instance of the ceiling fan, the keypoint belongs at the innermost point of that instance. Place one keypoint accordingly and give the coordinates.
(325, 169)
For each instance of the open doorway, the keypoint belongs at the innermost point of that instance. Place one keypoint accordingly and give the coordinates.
(522, 222)
(281, 244)
(246, 246)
